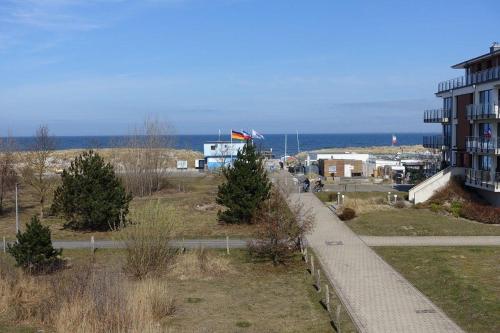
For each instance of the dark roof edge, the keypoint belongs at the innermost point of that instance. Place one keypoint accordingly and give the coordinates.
(476, 59)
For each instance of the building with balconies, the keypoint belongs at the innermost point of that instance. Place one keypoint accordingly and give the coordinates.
(470, 118)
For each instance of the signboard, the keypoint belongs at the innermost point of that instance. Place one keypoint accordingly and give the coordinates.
(182, 164)
(332, 169)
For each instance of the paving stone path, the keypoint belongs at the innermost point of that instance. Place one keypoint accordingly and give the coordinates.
(378, 298)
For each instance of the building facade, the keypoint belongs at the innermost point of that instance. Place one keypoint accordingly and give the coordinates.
(471, 122)
(220, 154)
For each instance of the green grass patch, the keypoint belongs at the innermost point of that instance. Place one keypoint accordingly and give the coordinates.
(417, 222)
(463, 281)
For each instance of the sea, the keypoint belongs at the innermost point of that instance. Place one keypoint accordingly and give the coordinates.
(276, 142)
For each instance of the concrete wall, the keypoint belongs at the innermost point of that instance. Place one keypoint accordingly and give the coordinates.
(426, 189)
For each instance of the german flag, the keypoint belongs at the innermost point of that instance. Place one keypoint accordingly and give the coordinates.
(237, 135)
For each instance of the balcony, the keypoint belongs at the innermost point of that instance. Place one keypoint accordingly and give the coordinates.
(437, 116)
(487, 180)
(483, 76)
(482, 111)
(482, 145)
(436, 142)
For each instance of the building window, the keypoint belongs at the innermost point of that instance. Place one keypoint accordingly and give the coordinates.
(212, 147)
(485, 97)
(485, 162)
(447, 103)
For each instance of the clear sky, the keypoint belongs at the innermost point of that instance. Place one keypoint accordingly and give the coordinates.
(96, 67)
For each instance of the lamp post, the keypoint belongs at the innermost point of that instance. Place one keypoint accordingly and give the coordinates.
(17, 214)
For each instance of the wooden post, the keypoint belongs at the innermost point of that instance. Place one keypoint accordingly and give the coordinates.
(337, 318)
(318, 281)
(327, 298)
(312, 265)
(227, 244)
(92, 244)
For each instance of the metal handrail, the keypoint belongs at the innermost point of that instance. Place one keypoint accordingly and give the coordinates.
(470, 79)
(482, 143)
(482, 111)
(437, 115)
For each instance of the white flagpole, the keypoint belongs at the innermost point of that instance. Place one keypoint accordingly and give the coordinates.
(231, 135)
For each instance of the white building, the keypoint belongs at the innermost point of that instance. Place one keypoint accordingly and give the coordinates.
(219, 154)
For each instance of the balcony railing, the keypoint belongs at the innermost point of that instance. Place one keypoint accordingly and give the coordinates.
(486, 75)
(482, 111)
(483, 179)
(436, 141)
(437, 116)
(481, 144)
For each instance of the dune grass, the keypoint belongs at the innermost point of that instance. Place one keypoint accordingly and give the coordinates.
(463, 281)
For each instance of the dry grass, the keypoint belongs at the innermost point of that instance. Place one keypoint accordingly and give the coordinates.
(200, 264)
(362, 206)
(86, 300)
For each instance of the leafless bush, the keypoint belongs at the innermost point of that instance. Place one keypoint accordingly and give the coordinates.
(347, 214)
(8, 175)
(280, 225)
(147, 239)
(144, 166)
(37, 165)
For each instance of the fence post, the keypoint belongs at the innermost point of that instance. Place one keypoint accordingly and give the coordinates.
(337, 318)
(227, 244)
(312, 265)
(327, 298)
(4, 245)
(318, 281)
(92, 244)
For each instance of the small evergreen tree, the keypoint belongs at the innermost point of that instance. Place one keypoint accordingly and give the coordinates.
(245, 188)
(91, 196)
(33, 250)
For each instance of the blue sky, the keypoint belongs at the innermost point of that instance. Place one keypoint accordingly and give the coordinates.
(97, 67)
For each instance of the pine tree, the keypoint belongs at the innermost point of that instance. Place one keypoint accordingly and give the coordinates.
(33, 250)
(91, 197)
(245, 188)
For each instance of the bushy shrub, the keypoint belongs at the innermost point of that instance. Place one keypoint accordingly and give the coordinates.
(400, 204)
(148, 251)
(33, 250)
(347, 214)
(481, 213)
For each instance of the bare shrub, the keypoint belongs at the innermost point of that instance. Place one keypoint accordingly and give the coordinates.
(280, 225)
(200, 264)
(35, 172)
(146, 162)
(148, 251)
(400, 204)
(8, 175)
(347, 214)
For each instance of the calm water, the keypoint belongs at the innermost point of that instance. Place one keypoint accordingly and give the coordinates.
(307, 142)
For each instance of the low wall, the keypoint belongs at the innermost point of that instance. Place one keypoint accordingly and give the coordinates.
(426, 189)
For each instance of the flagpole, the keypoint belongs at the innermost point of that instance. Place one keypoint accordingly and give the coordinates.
(231, 135)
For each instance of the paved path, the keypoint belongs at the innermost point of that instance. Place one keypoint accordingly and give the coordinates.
(188, 243)
(378, 298)
(431, 240)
